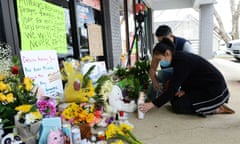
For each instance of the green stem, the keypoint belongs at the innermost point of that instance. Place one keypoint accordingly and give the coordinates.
(127, 139)
(132, 136)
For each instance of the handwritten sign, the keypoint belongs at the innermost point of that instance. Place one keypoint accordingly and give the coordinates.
(42, 26)
(43, 68)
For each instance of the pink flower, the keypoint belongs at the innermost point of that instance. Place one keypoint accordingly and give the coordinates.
(98, 113)
(95, 121)
(72, 121)
(83, 105)
(47, 107)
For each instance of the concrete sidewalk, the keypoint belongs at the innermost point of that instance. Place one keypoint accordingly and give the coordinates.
(161, 126)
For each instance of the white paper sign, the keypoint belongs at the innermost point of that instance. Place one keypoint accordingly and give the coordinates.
(43, 68)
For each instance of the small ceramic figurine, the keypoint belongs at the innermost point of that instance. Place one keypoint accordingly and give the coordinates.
(55, 137)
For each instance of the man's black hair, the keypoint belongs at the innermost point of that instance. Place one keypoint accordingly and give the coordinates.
(163, 30)
(161, 47)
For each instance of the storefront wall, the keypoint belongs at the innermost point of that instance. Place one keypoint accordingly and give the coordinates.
(76, 35)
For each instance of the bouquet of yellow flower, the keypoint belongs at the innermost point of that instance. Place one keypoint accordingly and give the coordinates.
(27, 122)
(15, 89)
(28, 114)
(79, 114)
(122, 132)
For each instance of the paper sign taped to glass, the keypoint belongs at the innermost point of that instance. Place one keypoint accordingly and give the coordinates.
(43, 68)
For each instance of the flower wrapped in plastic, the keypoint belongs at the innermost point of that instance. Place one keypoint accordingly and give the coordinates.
(122, 132)
(15, 89)
(79, 114)
(28, 121)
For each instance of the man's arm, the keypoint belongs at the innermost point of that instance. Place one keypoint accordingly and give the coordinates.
(152, 73)
(187, 47)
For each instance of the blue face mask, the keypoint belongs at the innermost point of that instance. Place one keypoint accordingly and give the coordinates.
(165, 63)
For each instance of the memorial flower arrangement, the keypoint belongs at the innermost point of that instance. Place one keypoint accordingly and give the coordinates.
(15, 90)
(122, 132)
(105, 87)
(27, 122)
(28, 114)
(79, 114)
(47, 107)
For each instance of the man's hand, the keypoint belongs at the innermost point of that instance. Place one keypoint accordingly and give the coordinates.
(146, 107)
(156, 86)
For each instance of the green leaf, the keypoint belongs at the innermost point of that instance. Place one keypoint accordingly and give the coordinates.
(2, 109)
(4, 121)
(33, 108)
(100, 82)
(9, 127)
(86, 77)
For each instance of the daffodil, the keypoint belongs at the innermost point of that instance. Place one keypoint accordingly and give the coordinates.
(118, 142)
(28, 83)
(24, 108)
(78, 113)
(125, 127)
(3, 86)
(2, 77)
(10, 98)
(37, 114)
(119, 132)
(83, 115)
(111, 131)
(90, 118)
(2, 97)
